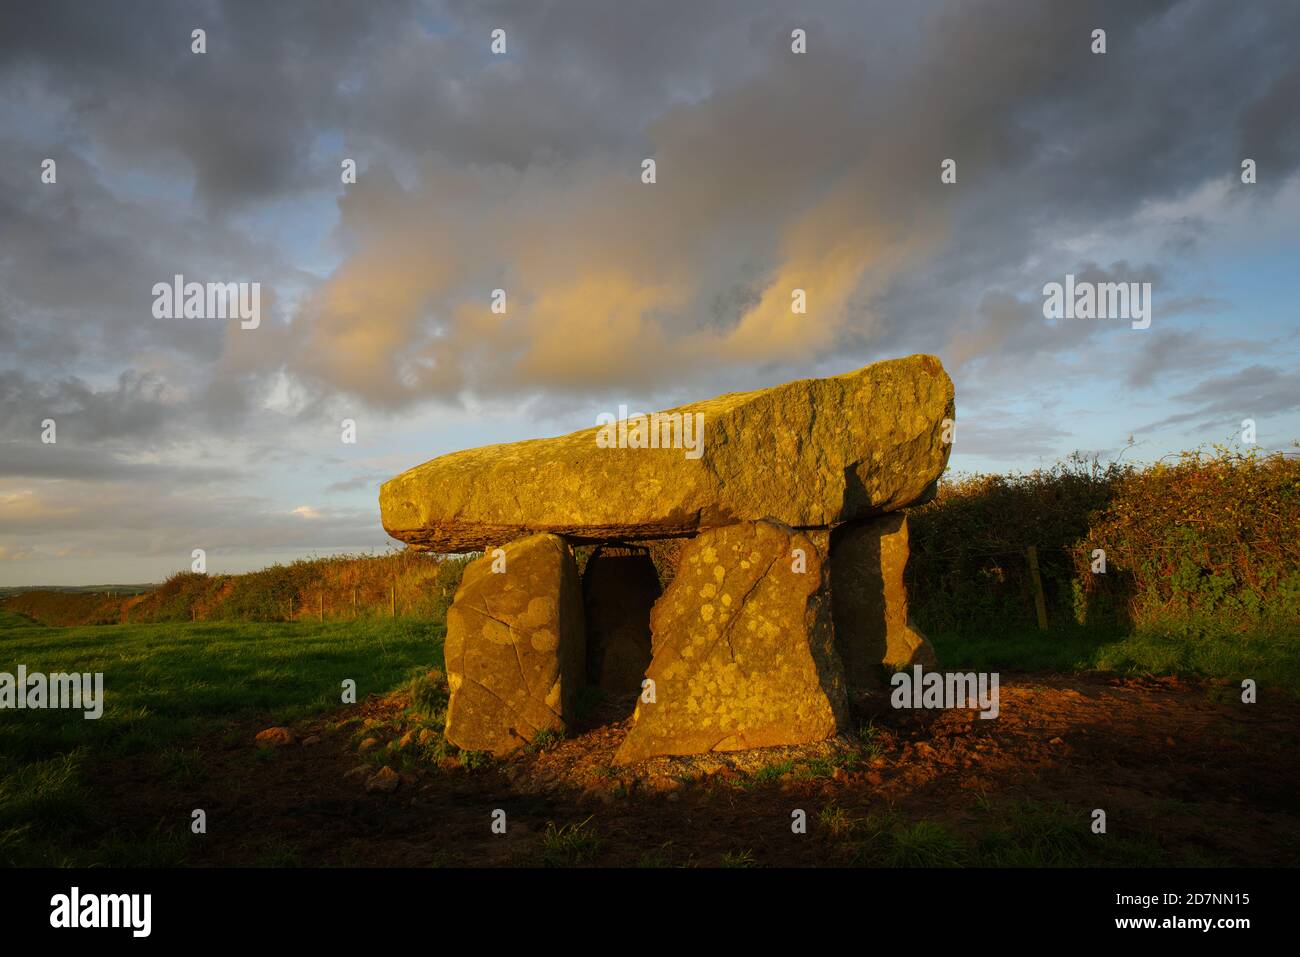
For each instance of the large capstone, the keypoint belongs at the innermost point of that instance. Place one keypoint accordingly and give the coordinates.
(744, 653)
(812, 453)
(873, 631)
(515, 653)
(619, 587)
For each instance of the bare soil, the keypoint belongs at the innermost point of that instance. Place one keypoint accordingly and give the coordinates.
(1185, 772)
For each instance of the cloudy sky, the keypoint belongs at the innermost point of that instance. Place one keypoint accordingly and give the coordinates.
(522, 171)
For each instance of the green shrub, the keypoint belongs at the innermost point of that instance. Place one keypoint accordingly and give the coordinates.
(1206, 544)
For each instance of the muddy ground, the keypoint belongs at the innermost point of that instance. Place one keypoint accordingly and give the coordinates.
(1186, 774)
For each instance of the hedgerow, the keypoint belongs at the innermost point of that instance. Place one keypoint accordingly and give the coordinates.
(1205, 542)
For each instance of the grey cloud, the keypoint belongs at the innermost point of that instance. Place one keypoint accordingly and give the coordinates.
(369, 481)
(1223, 401)
(1176, 351)
(136, 409)
(753, 137)
(241, 117)
(1270, 126)
(521, 171)
(31, 459)
(1008, 329)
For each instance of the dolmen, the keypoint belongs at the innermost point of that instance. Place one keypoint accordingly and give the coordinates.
(785, 594)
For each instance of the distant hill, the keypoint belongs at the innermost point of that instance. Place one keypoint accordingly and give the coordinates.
(405, 583)
(8, 591)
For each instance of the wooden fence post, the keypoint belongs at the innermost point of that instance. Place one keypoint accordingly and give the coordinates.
(1040, 600)
(322, 605)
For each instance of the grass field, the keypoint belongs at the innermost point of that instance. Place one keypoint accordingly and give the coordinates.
(163, 684)
(1268, 652)
(183, 701)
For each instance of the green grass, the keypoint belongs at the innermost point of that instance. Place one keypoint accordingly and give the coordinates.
(1018, 649)
(925, 844)
(769, 773)
(1266, 651)
(546, 738)
(657, 857)
(738, 859)
(1269, 653)
(163, 685)
(571, 845)
(835, 820)
(429, 696)
(1006, 834)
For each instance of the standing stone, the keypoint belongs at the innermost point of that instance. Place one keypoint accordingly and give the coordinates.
(619, 587)
(515, 646)
(869, 598)
(744, 653)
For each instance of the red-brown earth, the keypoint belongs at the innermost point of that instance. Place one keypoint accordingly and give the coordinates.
(1186, 773)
